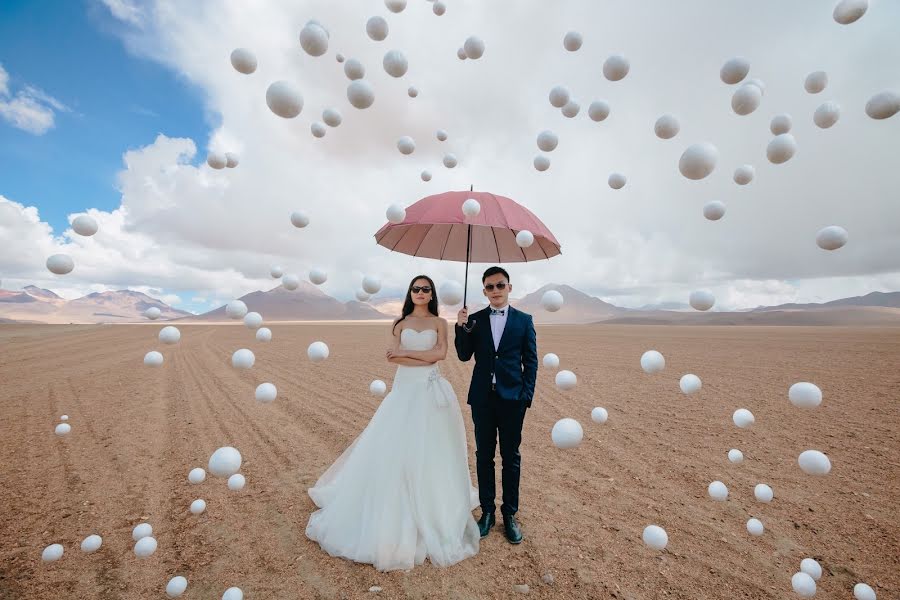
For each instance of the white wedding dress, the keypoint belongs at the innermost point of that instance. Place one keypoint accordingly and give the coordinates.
(402, 490)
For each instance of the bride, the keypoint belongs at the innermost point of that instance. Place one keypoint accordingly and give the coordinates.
(402, 490)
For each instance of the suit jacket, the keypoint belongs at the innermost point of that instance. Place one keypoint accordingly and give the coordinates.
(515, 361)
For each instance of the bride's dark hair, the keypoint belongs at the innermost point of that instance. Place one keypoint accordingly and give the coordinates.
(408, 303)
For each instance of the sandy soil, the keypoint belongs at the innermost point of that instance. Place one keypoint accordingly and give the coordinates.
(136, 432)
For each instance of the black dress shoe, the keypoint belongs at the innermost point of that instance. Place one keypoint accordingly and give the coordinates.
(485, 523)
(512, 530)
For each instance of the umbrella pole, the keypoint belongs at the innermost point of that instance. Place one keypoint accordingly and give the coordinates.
(468, 254)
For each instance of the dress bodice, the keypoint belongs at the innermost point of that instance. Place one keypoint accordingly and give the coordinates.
(418, 341)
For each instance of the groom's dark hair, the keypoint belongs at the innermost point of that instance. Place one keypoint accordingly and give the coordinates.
(494, 271)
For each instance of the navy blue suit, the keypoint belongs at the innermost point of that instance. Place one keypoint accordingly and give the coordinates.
(499, 408)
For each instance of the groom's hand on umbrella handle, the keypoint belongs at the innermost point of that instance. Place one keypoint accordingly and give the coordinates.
(462, 317)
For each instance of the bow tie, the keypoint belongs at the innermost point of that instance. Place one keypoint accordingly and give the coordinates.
(501, 312)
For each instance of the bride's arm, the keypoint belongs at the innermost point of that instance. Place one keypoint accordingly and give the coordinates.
(404, 359)
(439, 352)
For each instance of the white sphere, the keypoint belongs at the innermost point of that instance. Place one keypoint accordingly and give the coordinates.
(598, 110)
(599, 415)
(360, 94)
(781, 124)
(371, 284)
(559, 96)
(266, 392)
(567, 433)
(883, 105)
(735, 456)
(378, 388)
(169, 335)
(395, 63)
(616, 181)
(827, 115)
(317, 129)
(317, 352)
(237, 482)
(701, 300)
(734, 70)
(377, 28)
(242, 359)
(236, 309)
(743, 418)
(652, 362)
(690, 384)
(698, 160)
(152, 313)
(755, 527)
(803, 585)
(655, 537)
(233, 593)
(85, 225)
(450, 161)
(763, 493)
(572, 41)
(831, 237)
(406, 145)
(547, 141)
(863, 591)
(332, 117)
(849, 11)
(253, 320)
(60, 264)
(441, 135)
(395, 6)
(290, 282)
(263, 334)
(141, 531)
(153, 359)
(744, 174)
(813, 462)
(395, 214)
(64, 418)
(232, 160)
(524, 239)
(91, 543)
(145, 547)
(284, 99)
(362, 295)
(474, 47)
(225, 462)
(666, 127)
(354, 69)
(412, 91)
(815, 82)
(717, 491)
(811, 567)
(551, 361)
(318, 275)
(746, 99)
(198, 507)
(541, 162)
(243, 61)
(62, 429)
(425, 175)
(197, 475)
(52, 553)
(176, 586)
(299, 219)
(758, 83)
(461, 53)
(566, 380)
(570, 110)
(714, 210)
(781, 149)
(805, 395)
(615, 68)
(216, 160)
(552, 300)
(314, 39)
(439, 8)
(451, 292)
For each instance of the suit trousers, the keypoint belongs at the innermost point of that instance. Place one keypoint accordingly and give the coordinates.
(498, 416)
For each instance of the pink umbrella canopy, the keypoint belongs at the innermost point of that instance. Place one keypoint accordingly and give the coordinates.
(435, 227)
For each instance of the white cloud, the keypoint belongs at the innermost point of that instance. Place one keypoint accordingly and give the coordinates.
(198, 300)
(4, 81)
(31, 109)
(125, 11)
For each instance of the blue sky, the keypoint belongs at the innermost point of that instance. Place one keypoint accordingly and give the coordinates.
(114, 101)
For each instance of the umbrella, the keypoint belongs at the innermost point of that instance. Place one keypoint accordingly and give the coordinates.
(435, 227)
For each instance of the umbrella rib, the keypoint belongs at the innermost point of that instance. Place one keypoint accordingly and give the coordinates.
(494, 233)
(408, 229)
(416, 253)
(446, 241)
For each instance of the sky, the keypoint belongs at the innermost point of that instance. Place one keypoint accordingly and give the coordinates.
(116, 118)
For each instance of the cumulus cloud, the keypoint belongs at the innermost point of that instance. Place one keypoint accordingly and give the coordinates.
(30, 109)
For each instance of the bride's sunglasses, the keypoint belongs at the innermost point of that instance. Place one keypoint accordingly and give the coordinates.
(500, 286)
(416, 289)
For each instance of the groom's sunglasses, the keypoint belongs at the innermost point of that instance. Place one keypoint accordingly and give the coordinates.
(500, 286)
(416, 289)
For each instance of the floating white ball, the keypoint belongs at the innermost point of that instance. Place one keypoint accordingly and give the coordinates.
(395, 63)
(354, 70)
(152, 313)
(317, 129)
(141, 531)
(176, 586)
(242, 359)
(547, 141)
(253, 320)
(805, 395)
(571, 109)
(395, 6)
(474, 47)
(377, 28)
(153, 359)
(441, 135)
(236, 482)
(815, 82)
(566, 380)
(746, 99)
(216, 160)
(425, 175)
(567, 433)
(263, 334)
(655, 537)
(439, 8)
(811, 567)
(803, 585)
(616, 67)
(781, 149)
(883, 105)
(831, 237)
(412, 91)
(318, 275)
(231, 160)
(743, 418)
(197, 475)
(461, 53)
(378, 388)
(225, 462)
(849, 11)
(781, 124)
(666, 127)
(551, 361)
(690, 384)
(572, 41)
(332, 117)
(451, 293)
(85, 225)
(317, 352)
(559, 96)
(360, 94)
(362, 295)
(284, 99)
(718, 491)
(616, 181)
(395, 214)
(198, 507)
(755, 527)
(735, 456)
(552, 300)
(763, 493)
(599, 415)
(758, 83)
(60, 264)
(290, 282)
(52, 553)
(714, 210)
(145, 547)
(863, 591)
(701, 300)
(62, 429)
(734, 70)
(64, 418)
(406, 145)
(652, 362)
(698, 160)
(266, 392)
(744, 174)
(371, 284)
(827, 115)
(450, 161)
(243, 61)
(314, 39)
(524, 239)
(91, 543)
(236, 309)
(598, 110)
(813, 462)
(169, 335)
(541, 162)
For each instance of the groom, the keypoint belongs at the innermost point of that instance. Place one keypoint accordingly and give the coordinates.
(504, 343)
